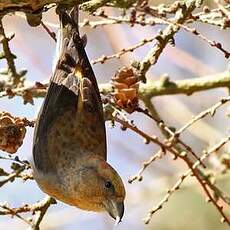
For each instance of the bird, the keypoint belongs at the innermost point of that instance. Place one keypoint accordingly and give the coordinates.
(69, 145)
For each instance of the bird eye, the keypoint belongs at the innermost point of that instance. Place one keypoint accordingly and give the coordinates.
(108, 184)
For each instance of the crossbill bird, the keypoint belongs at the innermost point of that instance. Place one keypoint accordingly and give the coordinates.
(69, 149)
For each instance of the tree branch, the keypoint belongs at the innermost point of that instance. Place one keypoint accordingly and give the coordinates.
(36, 7)
(148, 90)
(188, 86)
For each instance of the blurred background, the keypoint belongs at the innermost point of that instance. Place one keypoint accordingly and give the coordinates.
(190, 58)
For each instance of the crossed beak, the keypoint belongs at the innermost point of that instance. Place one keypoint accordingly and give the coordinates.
(115, 209)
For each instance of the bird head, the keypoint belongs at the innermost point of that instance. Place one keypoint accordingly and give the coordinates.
(100, 188)
(114, 191)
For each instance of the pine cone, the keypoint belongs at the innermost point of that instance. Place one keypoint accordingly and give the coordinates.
(126, 85)
(12, 132)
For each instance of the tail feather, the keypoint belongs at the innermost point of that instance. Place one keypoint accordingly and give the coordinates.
(69, 22)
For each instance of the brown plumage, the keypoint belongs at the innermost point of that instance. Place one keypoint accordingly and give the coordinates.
(69, 151)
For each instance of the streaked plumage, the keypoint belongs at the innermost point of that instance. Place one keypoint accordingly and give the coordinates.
(69, 149)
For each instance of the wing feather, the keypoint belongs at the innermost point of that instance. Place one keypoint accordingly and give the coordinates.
(73, 89)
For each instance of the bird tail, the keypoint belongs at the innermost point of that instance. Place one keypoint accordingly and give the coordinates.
(68, 27)
(68, 23)
(72, 57)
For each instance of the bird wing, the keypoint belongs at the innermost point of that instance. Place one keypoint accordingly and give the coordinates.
(72, 107)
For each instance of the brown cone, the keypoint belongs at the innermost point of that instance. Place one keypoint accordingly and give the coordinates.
(12, 132)
(126, 87)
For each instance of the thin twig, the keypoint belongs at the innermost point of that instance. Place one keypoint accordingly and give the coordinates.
(169, 148)
(105, 58)
(12, 176)
(201, 115)
(172, 139)
(145, 164)
(51, 33)
(9, 56)
(185, 175)
(13, 213)
(204, 38)
(39, 208)
(165, 36)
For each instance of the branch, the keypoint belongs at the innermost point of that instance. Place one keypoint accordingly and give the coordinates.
(36, 7)
(145, 164)
(12, 176)
(211, 111)
(188, 86)
(14, 77)
(148, 90)
(201, 177)
(186, 175)
(105, 58)
(166, 145)
(171, 145)
(39, 208)
(165, 36)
